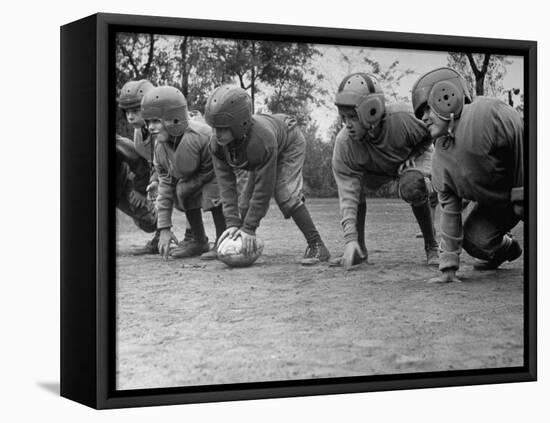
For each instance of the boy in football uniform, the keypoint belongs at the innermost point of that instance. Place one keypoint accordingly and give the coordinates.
(478, 157)
(135, 179)
(378, 144)
(272, 149)
(184, 167)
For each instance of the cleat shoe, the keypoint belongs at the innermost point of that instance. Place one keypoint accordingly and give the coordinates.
(152, 247)
(432, 256)
(315, 253)
(190, 248)
(212, 254)
(512, 253)
(335, 262)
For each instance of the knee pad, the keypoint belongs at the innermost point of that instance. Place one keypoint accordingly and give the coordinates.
(413, 187)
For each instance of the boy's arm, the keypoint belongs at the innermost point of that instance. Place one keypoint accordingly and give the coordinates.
(228, 191)
(265, 177)
(154, 175)
(417, 135)
(348, 181)
(514, 135)
(165, 198)
(126, 149)
(200, 159)
(451, 231)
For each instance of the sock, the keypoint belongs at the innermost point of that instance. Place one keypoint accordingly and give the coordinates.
(188, 232)
(303, 220)
(219, 221)
(194, 217)
(360, 223)
(423, 216)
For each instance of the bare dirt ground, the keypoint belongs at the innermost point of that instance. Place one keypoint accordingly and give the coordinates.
(190, 322)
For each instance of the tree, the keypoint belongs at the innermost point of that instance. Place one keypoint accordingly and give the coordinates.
(389, 77)
(483, 72)
(135, 55)
(203, 68)
(317, 171)
(295, 84)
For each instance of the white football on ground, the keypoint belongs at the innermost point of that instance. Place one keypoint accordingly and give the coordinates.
(230, 252)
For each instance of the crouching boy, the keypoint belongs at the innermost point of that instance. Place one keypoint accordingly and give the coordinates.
(184, 166)
(272, 149)
(478, 157)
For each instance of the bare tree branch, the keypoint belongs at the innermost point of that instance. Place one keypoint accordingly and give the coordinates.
(473, 64)
(130, 59)
(150, 56)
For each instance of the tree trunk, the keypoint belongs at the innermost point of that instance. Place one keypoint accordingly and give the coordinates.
(479, 73)
(480, 85)
(184, 68)
(150, 56)
(253, 75)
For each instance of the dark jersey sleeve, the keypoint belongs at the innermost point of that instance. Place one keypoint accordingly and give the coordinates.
(227, 184)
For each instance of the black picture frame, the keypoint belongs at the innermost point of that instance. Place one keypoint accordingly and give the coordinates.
(87, 215)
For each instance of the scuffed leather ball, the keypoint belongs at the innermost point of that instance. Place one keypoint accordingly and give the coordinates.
(230, 252)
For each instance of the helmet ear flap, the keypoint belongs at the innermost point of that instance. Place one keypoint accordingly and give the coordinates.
(446, 99)
(371, 110)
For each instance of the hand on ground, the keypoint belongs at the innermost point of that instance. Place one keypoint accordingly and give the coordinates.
(165, 239)
(352, 250)
(446, 276)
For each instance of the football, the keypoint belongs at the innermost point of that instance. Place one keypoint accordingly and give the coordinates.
(230, 252)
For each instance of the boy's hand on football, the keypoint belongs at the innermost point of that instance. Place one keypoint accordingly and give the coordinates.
(249, 242)
(228, 233)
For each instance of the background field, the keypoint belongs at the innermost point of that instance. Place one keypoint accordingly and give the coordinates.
(188, 322)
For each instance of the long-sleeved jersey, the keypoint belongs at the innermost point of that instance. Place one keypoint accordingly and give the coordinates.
(401, 136)
(258, 152)
(187, 159)
(144, 144)
(483, 163)
(145, 148)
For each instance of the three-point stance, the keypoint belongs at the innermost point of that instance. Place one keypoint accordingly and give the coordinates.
(272, 149)
(478, 157)
(184, 166)
(380, 143)
(135, 175)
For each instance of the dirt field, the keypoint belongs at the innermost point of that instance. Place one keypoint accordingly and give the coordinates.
(189, 322)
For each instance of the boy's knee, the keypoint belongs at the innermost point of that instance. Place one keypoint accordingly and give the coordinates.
(147, 226)
(182, 190)
(413, 187)
(289, 205)
(480, 247)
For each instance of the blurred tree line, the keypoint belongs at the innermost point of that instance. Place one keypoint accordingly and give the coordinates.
(281, 77)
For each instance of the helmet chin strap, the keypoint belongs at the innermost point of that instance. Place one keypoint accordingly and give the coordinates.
(451, 127)
(448, 138)
(372, 130)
